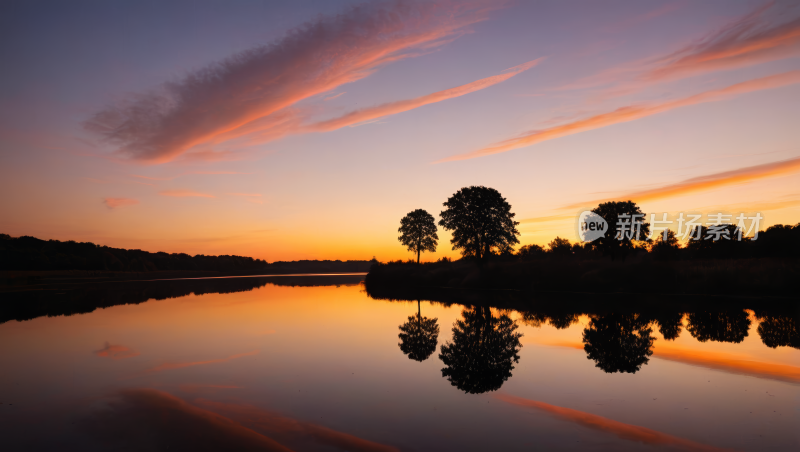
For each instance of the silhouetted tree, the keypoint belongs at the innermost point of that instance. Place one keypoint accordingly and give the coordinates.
(531, 252)
(419, 336)
(562, 320)
(723, 326)
(717, 242)
(418, 232)
(618, 342)
(779, 331)
(665, 248)
(559, 247)
(610, 244)
(480, 358)
(779, 241)
(481, 221)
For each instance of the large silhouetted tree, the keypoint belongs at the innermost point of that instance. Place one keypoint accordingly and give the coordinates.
(481, 221)
(419, 336)
(613, 243)
(480, 358)
(618, 342)
(723, 326)
(418, 232)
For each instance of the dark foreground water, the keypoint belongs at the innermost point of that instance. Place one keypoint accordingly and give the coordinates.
(283, 364)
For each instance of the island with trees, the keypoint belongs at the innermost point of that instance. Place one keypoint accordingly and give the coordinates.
(484, 231)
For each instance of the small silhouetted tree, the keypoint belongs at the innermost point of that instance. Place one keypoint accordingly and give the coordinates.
(665, 248)
(481, 221)
(480, 358)
(615, 247)
(419, 336)
(418, 232)
(723, 326)
(560, 247)
(618, 342)
(531, 252)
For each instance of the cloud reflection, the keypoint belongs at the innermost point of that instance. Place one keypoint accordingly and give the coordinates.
(170, 366)
(116, 352)
(619, 429)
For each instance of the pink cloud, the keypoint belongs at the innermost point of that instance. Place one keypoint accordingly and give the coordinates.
(231, 96)
(755, 38)
(113, 203)
(392, 108)
(335, 96)
(185, 194)
(758, 37)
(708, 182)
(629, 113)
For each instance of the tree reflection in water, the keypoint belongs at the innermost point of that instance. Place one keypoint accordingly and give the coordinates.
(558, 320)
(419, 336)
(618, 342)
(481, 355)
(779, 331)
(724, 326)
(669, 324)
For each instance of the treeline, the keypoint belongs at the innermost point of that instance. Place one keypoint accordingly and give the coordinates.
(31, 254)
(780, 241)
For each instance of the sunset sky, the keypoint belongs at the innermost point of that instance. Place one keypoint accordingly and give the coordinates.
(307, 129)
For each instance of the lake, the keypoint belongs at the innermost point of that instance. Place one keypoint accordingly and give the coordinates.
(314, 363)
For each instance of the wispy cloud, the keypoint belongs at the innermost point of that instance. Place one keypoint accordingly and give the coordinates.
(185, 194)
(629, 113)
(229, 96)
(763, 35)
(391, 108)
(760, 36)
(707, 182)
(335, 96)
(153, 178)
(621, 430)
(113, 203)
(250, 195)
(116, 352)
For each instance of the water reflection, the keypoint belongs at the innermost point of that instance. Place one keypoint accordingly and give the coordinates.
(618, 342)
(419, 336)
(721, 326)
(70, 299)
(557, 319)
(482, 352)
(779, 331)
(669, 324)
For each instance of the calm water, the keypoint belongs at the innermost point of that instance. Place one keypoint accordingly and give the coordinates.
(283, 367)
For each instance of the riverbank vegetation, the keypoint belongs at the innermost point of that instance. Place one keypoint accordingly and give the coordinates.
(724, 263)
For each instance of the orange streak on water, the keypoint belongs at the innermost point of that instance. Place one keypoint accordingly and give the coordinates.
(620, 429)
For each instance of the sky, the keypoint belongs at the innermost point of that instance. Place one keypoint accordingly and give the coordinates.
(308, 129)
